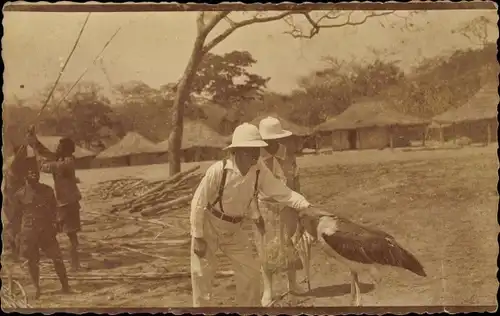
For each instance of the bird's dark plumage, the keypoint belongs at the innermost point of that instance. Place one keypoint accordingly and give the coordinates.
(367, 245)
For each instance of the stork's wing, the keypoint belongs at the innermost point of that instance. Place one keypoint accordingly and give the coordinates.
(366, 245)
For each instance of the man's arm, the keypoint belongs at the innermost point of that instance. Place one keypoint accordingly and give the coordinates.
(276, 189)
(39, 148)
(204, 194)
(67, 163)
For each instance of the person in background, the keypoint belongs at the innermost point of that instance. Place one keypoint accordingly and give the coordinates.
(61, 165)
(14, 179)
(281, 221)
(37, 208)
(219, 206)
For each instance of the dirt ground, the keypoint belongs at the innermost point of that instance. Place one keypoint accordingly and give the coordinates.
(440, 205)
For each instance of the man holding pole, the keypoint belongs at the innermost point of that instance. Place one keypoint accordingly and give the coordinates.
(219, 206)
(61, 165)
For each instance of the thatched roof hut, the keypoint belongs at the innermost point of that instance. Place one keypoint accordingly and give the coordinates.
(365, 114)
(197, 134)
(131, 144)
(476, 119)
(482, 106)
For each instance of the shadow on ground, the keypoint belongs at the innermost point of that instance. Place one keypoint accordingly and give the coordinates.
(337, 290)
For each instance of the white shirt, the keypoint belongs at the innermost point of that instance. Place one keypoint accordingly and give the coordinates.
(238, 192)
(279, 155)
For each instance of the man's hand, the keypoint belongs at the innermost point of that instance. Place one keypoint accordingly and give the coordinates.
(31, 130)
(200, 247)
(259, 222)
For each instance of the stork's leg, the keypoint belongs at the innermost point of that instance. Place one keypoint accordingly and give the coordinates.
(355, 292)
(267, 278)
(375, 274)
(307, 262)
(292, 256)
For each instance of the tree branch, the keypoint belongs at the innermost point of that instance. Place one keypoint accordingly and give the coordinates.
(316, 25)
(200, 21)
(231, 22)
(214, 21)
(237, 25)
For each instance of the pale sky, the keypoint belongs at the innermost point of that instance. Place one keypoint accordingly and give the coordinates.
(154, 46)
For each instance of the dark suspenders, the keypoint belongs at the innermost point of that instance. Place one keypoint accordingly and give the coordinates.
(221, 187)
(223, 182)
(256, 185)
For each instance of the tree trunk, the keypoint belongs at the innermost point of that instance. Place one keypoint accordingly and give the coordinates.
(182, 95)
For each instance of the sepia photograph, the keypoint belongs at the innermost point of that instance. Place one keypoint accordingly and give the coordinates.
(251, 158)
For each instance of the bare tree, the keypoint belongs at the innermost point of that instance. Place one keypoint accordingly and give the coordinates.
(303, 24)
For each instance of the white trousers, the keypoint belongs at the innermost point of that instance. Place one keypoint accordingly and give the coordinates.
(235, 244)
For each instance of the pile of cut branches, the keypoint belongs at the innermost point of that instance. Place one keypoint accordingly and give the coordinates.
(163, 196)
(120, 187)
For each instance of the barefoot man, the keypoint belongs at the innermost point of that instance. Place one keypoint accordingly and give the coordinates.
(281, 220)
(61, 165)
(219, 207)
(37, 205)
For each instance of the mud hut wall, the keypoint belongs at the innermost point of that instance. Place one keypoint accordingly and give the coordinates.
(196, 154)
(84, 162)
(404, 135)
(340, 140)
(477, 131)
(372, 138)
(309, 142)
(109, 162)
(162, 158)
(323, 140)
(145, 159)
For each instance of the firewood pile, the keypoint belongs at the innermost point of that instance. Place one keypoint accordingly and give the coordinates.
(163, 196)
(121, 187)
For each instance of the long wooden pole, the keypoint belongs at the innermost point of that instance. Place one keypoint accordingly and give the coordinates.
(87, 69)
(64, 66)
(51, 92)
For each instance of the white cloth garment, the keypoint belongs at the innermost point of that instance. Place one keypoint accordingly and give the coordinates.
(238, 192)
(227, 237)
(276, 169)
(233, 242)
(281, 222)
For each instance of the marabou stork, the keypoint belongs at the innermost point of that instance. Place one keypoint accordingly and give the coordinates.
(357, 247)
